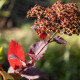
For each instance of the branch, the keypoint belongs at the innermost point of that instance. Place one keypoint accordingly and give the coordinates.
(48, 41)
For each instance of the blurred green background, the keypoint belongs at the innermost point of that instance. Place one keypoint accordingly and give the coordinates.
(61, 62)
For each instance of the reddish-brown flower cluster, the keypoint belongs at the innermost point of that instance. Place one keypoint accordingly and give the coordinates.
(35, 11)
(60, 17)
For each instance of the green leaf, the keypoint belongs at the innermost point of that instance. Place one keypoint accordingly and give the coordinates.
(1, 55)
(1, 50)
(6, 76)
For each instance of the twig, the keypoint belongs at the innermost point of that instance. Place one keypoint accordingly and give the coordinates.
(48, 41)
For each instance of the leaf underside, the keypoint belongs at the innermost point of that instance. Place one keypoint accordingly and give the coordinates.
(33, 73)
(37, 50)
(59, 40)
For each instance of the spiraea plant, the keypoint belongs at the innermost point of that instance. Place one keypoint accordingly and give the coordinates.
(60, 18)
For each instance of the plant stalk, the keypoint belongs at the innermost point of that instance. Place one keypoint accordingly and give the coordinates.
(48, 41)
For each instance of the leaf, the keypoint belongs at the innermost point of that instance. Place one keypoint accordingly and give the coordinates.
(1, 50)
(33, 73)
(35, 48)
(15, 49)
(29, 63)
(14, 72)
(36, 57)
(35, 28)
(11, 70)
(38, 49)
(12, 56)
(1, 53)
(6, 76)
(42, 35)
(59, 40)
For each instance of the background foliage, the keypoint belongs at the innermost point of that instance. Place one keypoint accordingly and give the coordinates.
(61, 62)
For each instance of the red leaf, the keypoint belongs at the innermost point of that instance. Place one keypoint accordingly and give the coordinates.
(37, 51)
(43, 35)
(33, 73)
(15, 49)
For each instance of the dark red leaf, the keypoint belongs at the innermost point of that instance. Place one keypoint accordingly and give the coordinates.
(59, 40)
(33, 73)
(37, 51)
(15, 49)
(35, 48)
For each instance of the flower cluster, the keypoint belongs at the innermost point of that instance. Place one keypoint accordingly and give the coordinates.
(60, 17)
(36, 11)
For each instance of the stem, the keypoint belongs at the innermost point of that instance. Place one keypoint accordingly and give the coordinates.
(60, 37)
(42, 48)
(57, 38)
(48, 41)
(52, 36)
